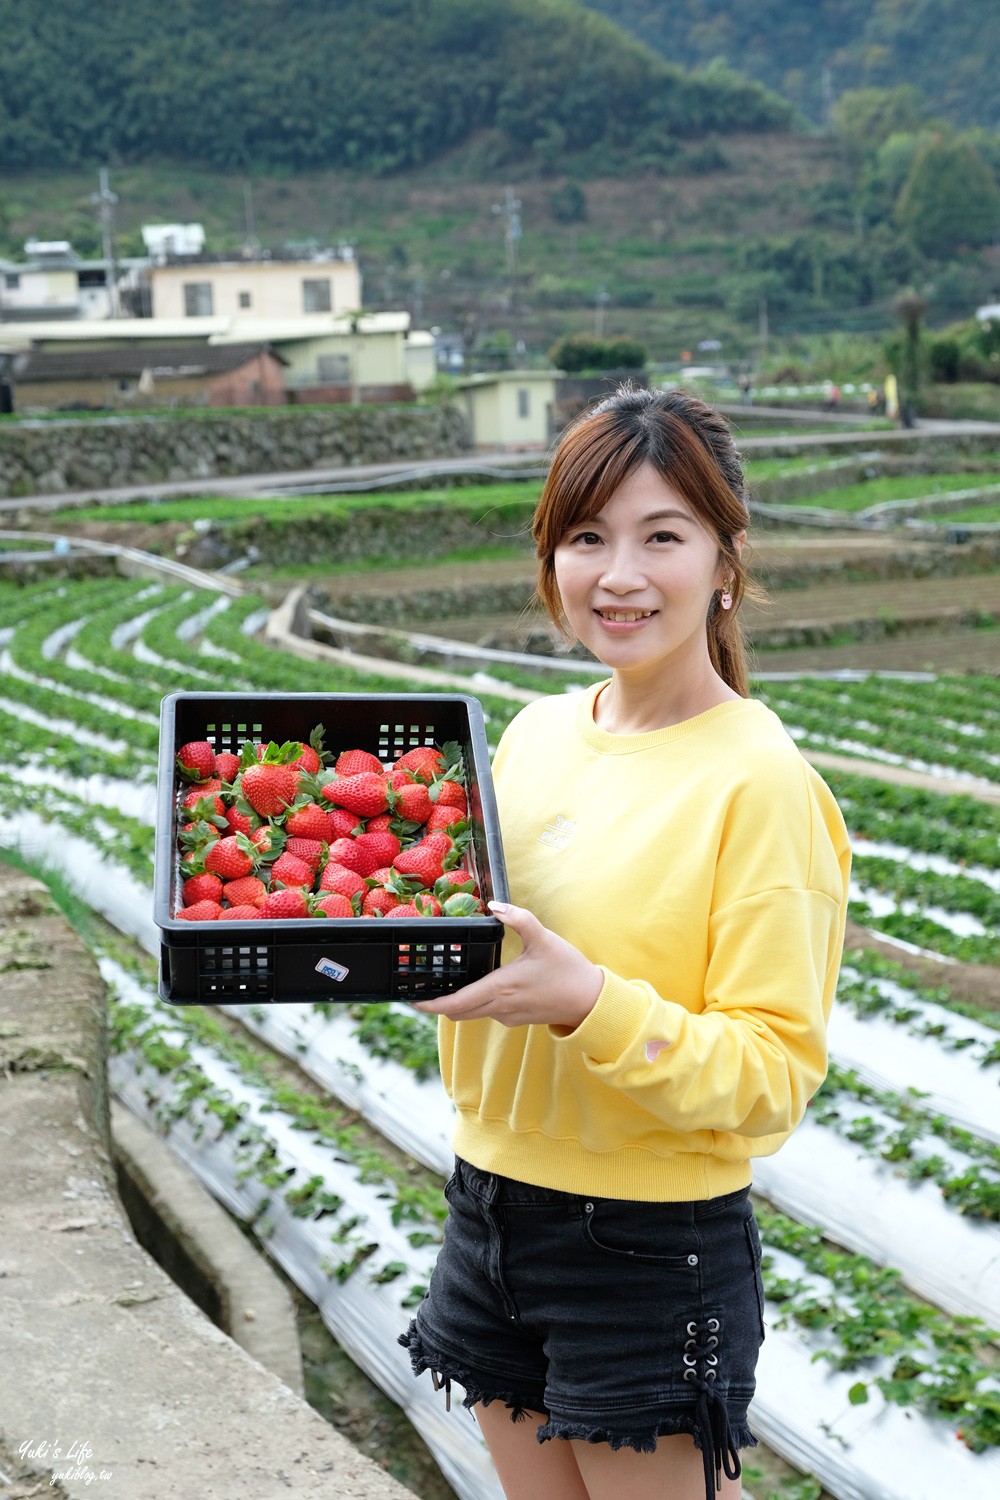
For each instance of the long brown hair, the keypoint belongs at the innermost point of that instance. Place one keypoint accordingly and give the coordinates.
(692, 448)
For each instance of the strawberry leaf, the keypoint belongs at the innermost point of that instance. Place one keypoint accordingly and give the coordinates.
(462, 905)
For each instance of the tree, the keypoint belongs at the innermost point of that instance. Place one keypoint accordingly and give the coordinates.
(584, 351)
(910, 307)
(865, 118)
(949, 200)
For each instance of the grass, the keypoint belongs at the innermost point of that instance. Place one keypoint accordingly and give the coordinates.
(295, 573)
(858, 497)
(983, 513)
(226, 508)
(759, 469)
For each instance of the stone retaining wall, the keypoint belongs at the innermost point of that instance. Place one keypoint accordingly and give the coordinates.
(49, 457)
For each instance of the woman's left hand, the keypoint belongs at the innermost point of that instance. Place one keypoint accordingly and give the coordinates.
(550, 983)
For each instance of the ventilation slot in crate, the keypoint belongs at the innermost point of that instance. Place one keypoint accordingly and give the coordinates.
(232, 972)
(429, 969)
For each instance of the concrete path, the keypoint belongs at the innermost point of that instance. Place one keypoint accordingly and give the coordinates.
(112, 1383)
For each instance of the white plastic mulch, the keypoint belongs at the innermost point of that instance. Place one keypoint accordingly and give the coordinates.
(870, 1452)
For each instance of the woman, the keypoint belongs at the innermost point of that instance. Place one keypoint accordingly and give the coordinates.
(659, 1017)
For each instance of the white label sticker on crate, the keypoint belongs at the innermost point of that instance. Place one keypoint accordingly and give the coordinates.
(330, 969)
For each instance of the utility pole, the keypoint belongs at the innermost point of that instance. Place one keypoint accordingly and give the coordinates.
(251, 242)
(826, 94)
(510, 209)
(600, 304)
(762, 330)
(105, 201)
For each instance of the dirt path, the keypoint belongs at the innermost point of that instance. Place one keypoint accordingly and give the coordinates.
(947, 786)
(975, 984)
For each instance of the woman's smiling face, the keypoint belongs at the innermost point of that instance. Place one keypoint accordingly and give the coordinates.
(636, 580)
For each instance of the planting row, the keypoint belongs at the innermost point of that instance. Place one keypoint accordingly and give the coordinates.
(946, 731)
(84, 675)
(891, 1350)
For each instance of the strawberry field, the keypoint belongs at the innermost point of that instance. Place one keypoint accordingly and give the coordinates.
(881, 1218)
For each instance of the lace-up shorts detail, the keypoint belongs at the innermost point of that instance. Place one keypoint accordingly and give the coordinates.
(621, 1322)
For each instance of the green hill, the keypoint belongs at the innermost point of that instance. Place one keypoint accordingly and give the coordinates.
(373, 85)
(813, 50)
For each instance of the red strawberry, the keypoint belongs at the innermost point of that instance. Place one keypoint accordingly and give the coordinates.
(420, 906)
(240, 914)
(454, 883)
(346, 852)
(310, 822)
(195, 838)
(377, 824)
(284, 905)
(308, 760)
(344, 824)
(310, 756)
(333, 904)
(230, 857)
(379, 902)
(441, 841)
(364, 794)
(203, 803)
(227, 765)
(288, 870)
(269, 784)
(268, 839)
(202, 911)
(444, 817)
(196, 760)
(354, 762)
(201, 888)
(412, 801)
(376, 848)
(448, 793)
(424, 761)
(421, 861)
(240, 822)
(339, 878)
(247, 891)
(309, 850)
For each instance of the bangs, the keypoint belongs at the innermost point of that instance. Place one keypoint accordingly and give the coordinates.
(591, 463)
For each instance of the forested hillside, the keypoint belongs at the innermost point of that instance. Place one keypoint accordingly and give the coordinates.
(949, 49)
(376, 85)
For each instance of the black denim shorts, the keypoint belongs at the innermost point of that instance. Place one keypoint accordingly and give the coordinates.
(620, 1321)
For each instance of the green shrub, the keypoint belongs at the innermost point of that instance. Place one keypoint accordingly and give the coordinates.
(583, 351)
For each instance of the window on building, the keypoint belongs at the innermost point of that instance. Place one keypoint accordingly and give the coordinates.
(333, 369)
(12, 281)
(198, 299)
(523, 401)
(316, 295)
(245, 299)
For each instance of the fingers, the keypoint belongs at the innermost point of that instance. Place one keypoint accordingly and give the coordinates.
(518, 919)
(464, 1005)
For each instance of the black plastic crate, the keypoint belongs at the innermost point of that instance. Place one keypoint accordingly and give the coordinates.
(347, 959)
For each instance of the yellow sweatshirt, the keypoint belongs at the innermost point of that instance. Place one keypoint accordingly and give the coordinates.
(704, 868)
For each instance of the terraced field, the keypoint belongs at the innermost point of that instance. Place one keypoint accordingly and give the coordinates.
(880, 1218)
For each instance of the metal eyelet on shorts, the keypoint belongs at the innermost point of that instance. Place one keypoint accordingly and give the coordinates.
(701, 1370)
